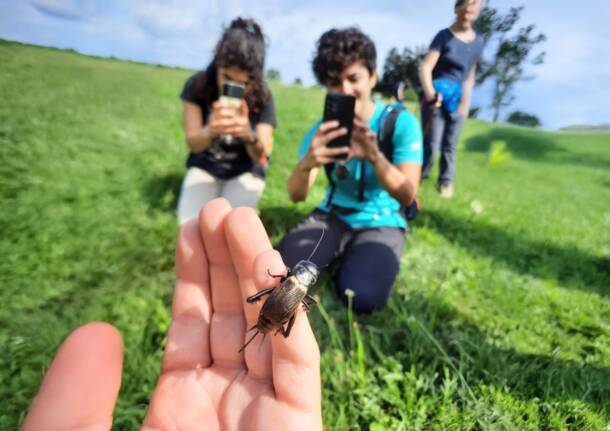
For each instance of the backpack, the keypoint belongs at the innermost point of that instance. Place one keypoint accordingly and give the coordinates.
(388, 117)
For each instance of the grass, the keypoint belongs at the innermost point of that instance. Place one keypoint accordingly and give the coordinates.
(500, 318)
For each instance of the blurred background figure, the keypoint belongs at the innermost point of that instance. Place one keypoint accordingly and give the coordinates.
(229, 116)
(447, 75)
(399, 91)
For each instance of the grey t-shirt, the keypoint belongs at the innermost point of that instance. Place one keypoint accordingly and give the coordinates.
(456, 57)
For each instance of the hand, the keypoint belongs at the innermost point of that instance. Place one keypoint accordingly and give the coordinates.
(318, 153)
(205, 383)
(364, 142)
(229, 120)
(438, 103)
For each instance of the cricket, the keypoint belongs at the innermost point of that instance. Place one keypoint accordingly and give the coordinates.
(283, 302)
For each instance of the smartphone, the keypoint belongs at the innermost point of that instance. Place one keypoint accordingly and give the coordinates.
(340, 107)
(232, 94)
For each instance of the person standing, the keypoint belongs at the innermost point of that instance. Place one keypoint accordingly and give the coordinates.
(447, 75)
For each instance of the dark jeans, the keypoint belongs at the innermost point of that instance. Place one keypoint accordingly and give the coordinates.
(443, 133)
(366, 260)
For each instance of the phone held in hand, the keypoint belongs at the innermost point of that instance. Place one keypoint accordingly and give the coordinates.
(232, 94)
(340, 107)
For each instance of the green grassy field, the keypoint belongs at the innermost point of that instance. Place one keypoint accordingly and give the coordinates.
(500, 318)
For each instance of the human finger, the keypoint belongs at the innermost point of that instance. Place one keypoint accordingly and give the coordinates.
(359, 123)
(328, 125)
(296, 365)
(234, 131)
(247, 238)
(188, 340)
(332, 152)
(225, 114)
(82, 384)
(219, 104)
(228, 323)
(329, 136)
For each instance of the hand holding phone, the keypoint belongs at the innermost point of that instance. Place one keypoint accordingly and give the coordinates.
(340, 107)
(232, 95)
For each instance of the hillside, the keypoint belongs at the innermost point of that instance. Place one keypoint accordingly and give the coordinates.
(499, 319)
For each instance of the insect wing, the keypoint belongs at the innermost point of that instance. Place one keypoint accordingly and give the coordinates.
(284, 300)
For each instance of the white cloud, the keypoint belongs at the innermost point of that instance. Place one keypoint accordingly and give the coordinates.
(163, 18)
(66, 9)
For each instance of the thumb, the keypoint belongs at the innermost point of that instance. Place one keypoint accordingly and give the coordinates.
(82, 384)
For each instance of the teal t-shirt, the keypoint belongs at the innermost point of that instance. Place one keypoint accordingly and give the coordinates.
(377, 208)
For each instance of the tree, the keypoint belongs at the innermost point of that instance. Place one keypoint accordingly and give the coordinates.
(523, 119)
(513, 50)
(297, 81)
(401, 67)
(273, 75)
(474, 111)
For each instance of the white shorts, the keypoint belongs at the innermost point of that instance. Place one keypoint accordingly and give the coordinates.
(200, 187)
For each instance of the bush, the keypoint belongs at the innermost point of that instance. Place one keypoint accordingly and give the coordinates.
(524, 119)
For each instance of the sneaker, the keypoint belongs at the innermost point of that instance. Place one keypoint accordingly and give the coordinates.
(446, 191)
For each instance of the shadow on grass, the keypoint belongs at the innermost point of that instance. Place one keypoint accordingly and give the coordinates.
(570, 266)
(535, 146)
(529, 375)
(430, 336)
(162, 192)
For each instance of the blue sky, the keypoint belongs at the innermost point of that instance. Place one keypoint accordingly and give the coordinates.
(571, 87)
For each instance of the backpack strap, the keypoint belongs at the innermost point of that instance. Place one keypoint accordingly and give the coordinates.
(388, 117)
(328, 168)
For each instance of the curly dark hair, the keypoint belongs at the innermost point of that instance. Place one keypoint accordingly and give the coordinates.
(339, 48)
(242, 46)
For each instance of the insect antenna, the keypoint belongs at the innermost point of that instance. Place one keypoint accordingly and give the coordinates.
(250, 340)
(317, 245)
(262, 341)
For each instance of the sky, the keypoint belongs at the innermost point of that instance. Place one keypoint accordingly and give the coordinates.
(571, 87)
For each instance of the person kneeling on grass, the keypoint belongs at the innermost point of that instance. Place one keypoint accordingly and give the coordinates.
(229, 145)
(361, 215)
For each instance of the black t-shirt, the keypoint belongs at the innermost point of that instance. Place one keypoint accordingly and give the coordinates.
(221, 159)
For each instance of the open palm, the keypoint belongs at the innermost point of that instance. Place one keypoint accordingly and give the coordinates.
(205, 383)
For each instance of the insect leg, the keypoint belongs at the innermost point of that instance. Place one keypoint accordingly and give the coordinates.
(286, 332)
(281, 277)
(310, 300)
(259, 295)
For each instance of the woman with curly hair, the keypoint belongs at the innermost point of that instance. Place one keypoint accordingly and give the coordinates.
(228, 145)
(361, 216)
